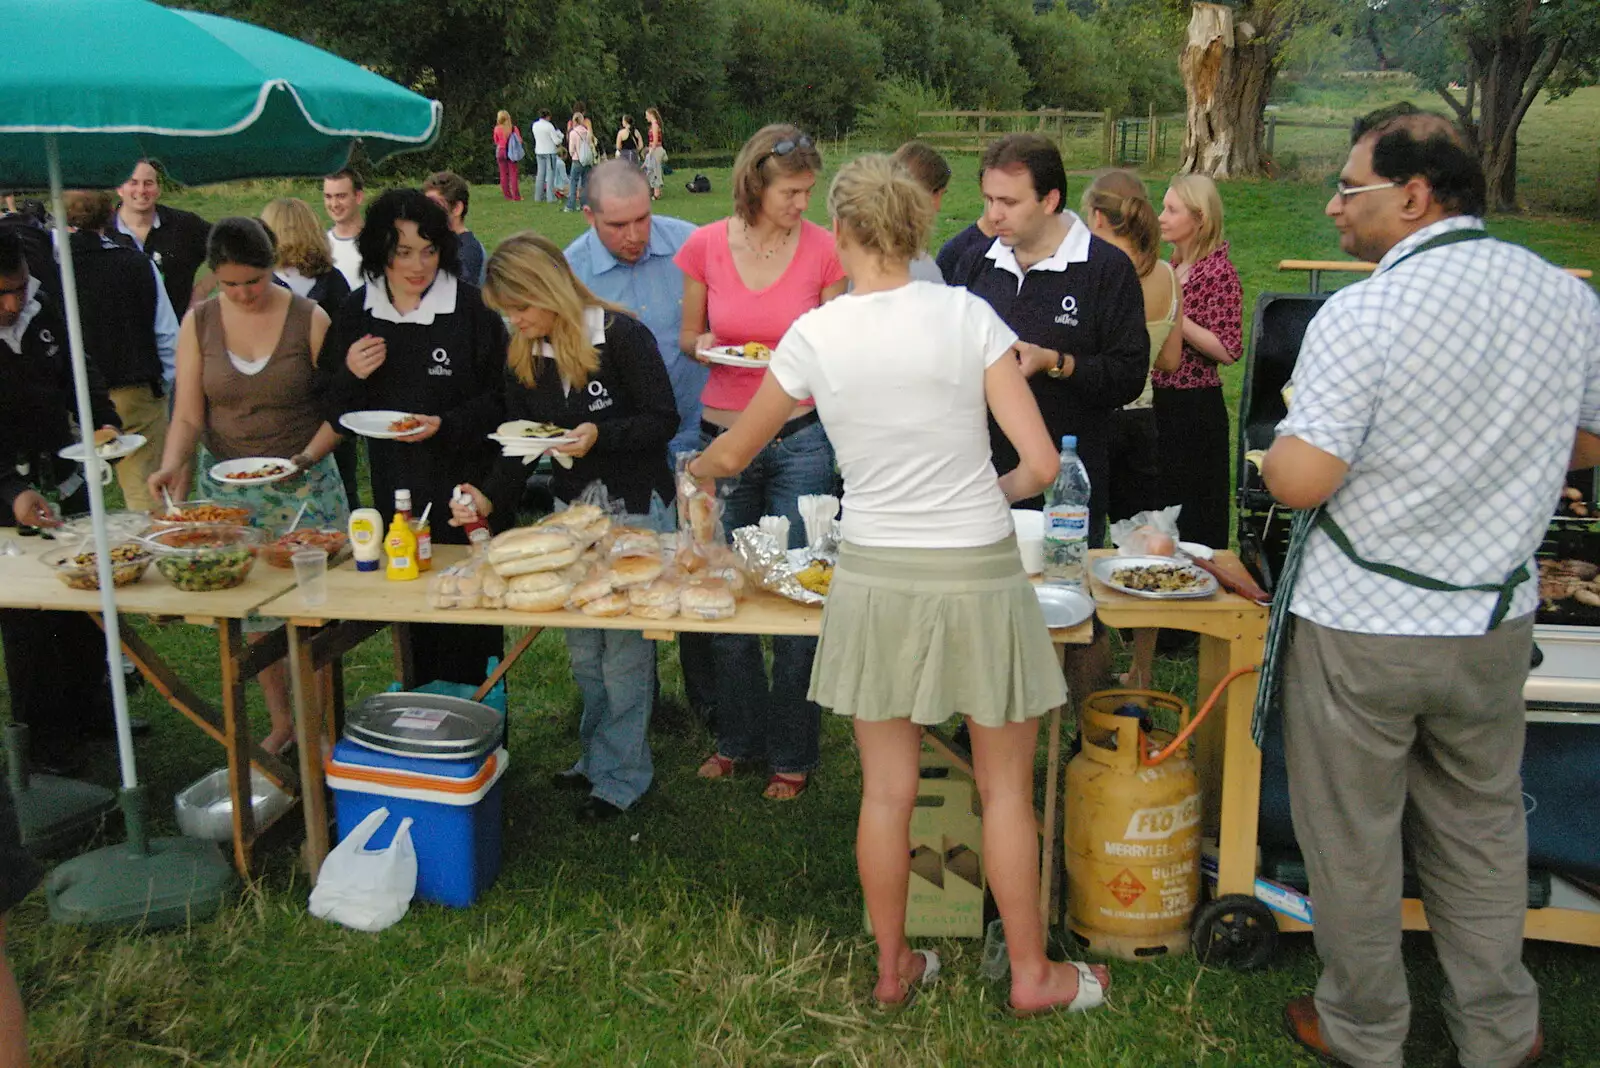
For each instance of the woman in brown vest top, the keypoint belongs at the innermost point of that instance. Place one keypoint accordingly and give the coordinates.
(246, 370)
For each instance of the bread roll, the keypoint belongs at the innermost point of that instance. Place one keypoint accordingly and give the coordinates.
(632, 541)
(612, 604)
(635, 570)
(661, 591)
(706, 599)
(544, 601)
(590, 589)
(702, 518)
(529, 549)
(104, 436)
(536, 582)
(655, 611)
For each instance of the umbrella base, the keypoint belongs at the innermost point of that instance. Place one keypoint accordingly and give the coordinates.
(55, 815)
(177, 881)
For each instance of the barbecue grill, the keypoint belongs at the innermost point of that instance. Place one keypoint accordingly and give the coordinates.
(1562, 760)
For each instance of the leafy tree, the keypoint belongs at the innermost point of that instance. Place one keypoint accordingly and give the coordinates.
(910, 32)
(798, 62)
(983, 70)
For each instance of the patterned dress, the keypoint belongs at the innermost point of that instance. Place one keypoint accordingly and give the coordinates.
(1191, 415)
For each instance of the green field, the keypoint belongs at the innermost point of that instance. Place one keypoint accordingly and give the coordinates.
(708, 927)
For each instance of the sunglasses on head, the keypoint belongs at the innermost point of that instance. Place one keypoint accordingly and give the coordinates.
(788, 145)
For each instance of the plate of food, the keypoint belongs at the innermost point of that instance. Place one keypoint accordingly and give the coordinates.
(380, 423)
(750, 354)
(522, 436)
(252, 471)
(108, 445)
(1161, 578)
(1063, 606)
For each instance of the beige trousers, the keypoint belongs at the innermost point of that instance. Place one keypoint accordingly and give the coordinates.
(1390, 738)
(141, 412)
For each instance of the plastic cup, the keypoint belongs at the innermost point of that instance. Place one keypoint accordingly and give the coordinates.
(311, 575)
(1030, 538)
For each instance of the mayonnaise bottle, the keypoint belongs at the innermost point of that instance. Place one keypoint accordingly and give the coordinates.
(366, 538)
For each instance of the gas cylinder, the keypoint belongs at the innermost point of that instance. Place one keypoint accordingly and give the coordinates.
(1132, 829)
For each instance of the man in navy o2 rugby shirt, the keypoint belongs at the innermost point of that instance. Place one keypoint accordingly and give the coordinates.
(1075, 303)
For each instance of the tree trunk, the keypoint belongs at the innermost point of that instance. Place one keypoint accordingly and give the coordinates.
(1512, 67)
(1227, 76)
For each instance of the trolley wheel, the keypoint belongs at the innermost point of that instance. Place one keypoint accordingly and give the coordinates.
(1234, 930)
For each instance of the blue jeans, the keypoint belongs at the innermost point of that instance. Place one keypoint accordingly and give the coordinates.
(544, 180)
(756, 720)
(616, 673)
(577, 175)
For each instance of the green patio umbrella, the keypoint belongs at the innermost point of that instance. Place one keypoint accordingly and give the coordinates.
(89, 88)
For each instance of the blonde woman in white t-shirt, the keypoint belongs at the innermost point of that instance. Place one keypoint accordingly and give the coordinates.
(930, 613)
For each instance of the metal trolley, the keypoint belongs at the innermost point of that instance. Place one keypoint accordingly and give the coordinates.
(1252, 873)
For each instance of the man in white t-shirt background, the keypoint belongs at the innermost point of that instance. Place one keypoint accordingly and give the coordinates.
(546, 144)
(343, 193)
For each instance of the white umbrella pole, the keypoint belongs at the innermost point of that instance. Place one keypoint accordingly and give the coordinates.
(91, 474)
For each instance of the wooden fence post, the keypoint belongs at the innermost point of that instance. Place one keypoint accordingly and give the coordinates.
(1272, 132)
(1110, 138)
(1150, 152)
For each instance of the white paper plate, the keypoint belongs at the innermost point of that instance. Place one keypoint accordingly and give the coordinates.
(1107, 566)
(123, 445)
(220, 472)
(1063, 606)
(517, 445)
(732, 356)
(375, 423)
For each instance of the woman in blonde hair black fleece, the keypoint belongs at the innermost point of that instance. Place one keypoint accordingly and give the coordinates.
(930, 613)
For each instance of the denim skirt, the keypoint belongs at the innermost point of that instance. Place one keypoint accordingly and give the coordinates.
(926, 634)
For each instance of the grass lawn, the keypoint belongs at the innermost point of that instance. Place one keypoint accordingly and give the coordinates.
(708, 927)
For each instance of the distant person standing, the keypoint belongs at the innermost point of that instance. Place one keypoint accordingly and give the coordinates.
(1191, 414)
(131, 331)
(451, 192)
(581, 150)
(629, 143)
(932, 172)
(547, 157)
(305, 262)
(655, 154)
(343, 193)
(505, 136)
(175, 240)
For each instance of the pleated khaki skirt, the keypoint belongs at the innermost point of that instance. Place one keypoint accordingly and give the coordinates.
(926, 634)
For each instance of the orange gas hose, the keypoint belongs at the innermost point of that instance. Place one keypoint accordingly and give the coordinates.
(1205, 710)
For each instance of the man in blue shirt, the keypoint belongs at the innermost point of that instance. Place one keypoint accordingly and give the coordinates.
(626, 257)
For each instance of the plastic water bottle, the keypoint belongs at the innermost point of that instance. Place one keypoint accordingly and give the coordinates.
(1066, 520)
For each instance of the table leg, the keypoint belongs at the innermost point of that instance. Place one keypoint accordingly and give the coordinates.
(506, 661)
(1047, 851)
(309, 708)
(236, 739)
(405, 665)
(1234, 761)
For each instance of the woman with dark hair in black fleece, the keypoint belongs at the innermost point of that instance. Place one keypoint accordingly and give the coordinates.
(416, 338)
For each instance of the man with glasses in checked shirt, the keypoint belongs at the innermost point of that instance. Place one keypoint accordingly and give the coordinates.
(1437, 408)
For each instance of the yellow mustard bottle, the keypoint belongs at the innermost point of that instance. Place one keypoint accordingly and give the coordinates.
(401, 545)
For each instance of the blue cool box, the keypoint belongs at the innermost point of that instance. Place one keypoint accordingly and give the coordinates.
(454, 807)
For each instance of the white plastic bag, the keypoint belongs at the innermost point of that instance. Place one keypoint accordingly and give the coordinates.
(364, 889)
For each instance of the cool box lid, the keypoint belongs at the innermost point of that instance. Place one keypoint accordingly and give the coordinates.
(426, 725)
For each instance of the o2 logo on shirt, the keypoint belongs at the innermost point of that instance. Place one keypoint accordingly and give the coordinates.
(1069, 311)
(602, 400)
(49, 340)
(441, 362)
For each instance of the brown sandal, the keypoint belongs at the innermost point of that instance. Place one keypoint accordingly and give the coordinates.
(786, 786)
(717, 766)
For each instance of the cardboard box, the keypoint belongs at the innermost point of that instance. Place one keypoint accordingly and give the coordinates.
(946, 892)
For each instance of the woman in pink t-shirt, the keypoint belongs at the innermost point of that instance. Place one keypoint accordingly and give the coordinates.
(748, 278)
